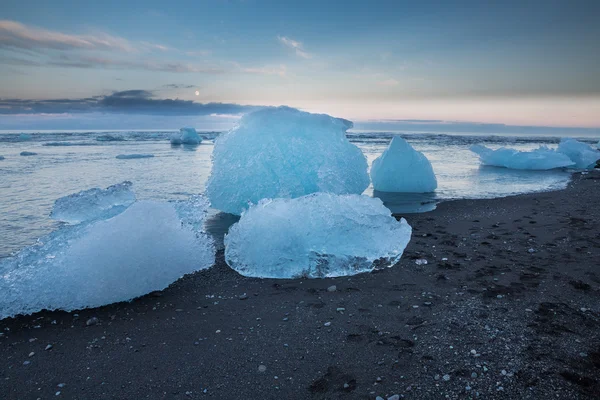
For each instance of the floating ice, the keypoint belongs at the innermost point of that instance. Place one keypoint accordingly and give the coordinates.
(93, 204)
(133, 156)
(402, 169)
(541, 158)
(315, 236)
(23, 137)
(284, 152)
(28, 153)
(110, 138)
(176, 138)
(1, 157)
(582, 154)
(145, 248)
(190, 136)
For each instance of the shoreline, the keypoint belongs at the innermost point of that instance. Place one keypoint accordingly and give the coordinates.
(514, 312)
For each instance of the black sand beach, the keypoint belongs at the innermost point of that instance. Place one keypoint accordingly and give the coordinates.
(507, 307)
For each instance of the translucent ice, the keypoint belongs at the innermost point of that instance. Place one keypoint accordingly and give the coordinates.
(28, 153)
(189, 136)
(23, 137)
(315, 236)
(284, 152)
(145, 248)
(402, 169)
(93, 204)
(541, 158)
(582, 154)
(133, 156)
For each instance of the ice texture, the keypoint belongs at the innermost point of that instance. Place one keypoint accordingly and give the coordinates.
(582, 154)
(23, 137)
(145, 248)
(542, 158)
(402, 169)
(176, 138)
(28, 153)
(189, 136)
(133, 156)
(315, 236)
(93, 204)
(284, 152)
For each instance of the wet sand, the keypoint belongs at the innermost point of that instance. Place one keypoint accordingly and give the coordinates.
(507, 307)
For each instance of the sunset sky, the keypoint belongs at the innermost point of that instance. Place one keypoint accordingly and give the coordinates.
(150, 64)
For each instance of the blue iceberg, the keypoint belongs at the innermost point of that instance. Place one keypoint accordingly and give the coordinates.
(402, 169)
(176, 138)
(133, 156)
(284, 152)
(93, 204)
(185, 135)
(582, 154)
(542, 158)
(315, 236)
(145, 248)
(28, 153)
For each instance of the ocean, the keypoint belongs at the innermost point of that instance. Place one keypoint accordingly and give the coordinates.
(69, 162)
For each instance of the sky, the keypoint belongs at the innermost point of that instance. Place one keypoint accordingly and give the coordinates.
(392, 64)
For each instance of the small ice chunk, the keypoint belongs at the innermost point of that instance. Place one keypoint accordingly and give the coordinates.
(189, 136)
(315, 236)
(133, 156)
(402, 169)
(23, 137)
(144, 249)
(110, 138)
(582, 154)
(1, 158)
(284, 152)
(28, 153)
(176, 138)
(542, 158)
(93, 204)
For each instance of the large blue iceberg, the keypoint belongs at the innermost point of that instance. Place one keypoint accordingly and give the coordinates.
(93, 204)
(582, 154)
(145, 248)
(402, 169)
(315, 236)
(542, 158)
(284, 152)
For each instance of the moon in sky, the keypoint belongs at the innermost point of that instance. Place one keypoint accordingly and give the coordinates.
(197, 93)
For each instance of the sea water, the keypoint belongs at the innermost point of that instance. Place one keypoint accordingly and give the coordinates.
(69, 162)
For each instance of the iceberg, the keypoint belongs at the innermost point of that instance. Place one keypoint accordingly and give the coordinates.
(316, 236)
(145, 248)
(110, 138)
(402, 169)
(23, 137)
(189, 136)
(93, 204)
(133, 156)
(176, 138)
(28, 153)
(582, 154)
(1, 158)
(542, 158)
(284, 152)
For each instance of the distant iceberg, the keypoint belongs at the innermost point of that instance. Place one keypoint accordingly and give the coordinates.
(133, 156)
(402, 169)
(284, 152)
(541, 158)
(185, 135)
(316, 236)
(93, 204)
(145, 248)
(582, 154)
(23, 137)
(1, 158)
(110, 138)
(28, 153)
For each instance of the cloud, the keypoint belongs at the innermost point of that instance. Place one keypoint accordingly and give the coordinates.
(140, 102)
(294, 45)
(19, 36)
